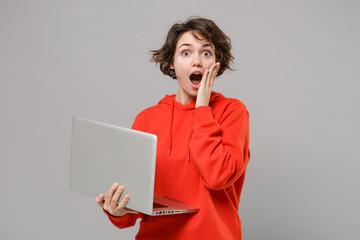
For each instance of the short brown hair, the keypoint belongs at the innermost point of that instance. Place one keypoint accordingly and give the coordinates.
(197, 26)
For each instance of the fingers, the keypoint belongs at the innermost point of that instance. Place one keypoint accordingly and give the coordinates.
(206, 85)
(110, 195)
(208, 79)
(115, 199)
(112, 204)
(123, 203)
(212, 75)
(215, 74)
(122, 206)
(204, 80)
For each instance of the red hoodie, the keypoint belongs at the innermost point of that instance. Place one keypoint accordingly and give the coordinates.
(201, 159)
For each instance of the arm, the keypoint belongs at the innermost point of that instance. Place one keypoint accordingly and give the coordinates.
(220, 150)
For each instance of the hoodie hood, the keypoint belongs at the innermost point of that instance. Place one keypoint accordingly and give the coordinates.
(169, 102)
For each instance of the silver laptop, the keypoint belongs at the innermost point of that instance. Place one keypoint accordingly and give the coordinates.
(102, 154)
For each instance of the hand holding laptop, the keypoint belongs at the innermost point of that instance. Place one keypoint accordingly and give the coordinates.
(111, 203)
(102, 154)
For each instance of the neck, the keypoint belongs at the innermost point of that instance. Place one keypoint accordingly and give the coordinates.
(184, 99)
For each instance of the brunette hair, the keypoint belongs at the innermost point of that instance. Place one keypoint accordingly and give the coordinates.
(197, 26)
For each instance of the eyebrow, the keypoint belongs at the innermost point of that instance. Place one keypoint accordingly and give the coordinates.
(189, 45)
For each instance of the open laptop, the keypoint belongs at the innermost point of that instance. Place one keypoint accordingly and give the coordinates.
(102, 154)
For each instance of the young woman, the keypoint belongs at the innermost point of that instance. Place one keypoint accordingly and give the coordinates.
(203, 141)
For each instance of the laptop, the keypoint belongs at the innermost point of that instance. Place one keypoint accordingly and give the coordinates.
(102, 154)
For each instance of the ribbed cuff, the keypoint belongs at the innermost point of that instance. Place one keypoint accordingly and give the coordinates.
(119, 220)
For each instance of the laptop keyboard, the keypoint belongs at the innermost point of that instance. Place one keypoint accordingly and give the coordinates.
(158, 205)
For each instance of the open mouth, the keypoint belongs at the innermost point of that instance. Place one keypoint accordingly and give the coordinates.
(195, 78)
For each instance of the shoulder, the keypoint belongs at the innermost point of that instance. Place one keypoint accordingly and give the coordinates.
(149, 117)
(164, 104)
(148, 112)
(224, 104)
(228, 109)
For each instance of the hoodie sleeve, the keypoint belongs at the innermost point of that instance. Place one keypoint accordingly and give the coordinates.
(125, 221)
(220, 149)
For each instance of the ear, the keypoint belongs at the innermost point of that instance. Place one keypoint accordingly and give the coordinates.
(172, 66)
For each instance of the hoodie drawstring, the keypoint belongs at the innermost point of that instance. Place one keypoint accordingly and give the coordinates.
(171, 131)
(171, 126)
(188, 146)
(169, 101)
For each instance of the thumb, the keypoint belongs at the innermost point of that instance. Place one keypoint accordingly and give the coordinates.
(100, 200)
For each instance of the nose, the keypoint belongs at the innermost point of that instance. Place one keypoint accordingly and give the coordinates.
(196, 60)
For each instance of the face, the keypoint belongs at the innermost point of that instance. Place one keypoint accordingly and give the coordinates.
(192, 57)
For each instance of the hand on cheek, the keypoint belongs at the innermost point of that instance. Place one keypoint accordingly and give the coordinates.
(206, 85)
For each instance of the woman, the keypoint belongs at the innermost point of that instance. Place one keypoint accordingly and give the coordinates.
(203, 141)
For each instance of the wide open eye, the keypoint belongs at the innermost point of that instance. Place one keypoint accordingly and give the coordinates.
(185, 53)
(206, 53)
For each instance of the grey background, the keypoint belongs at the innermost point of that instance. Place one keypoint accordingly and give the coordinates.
(297, 71)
